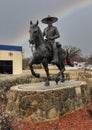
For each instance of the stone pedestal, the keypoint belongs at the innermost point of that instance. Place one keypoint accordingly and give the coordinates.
(36, 102)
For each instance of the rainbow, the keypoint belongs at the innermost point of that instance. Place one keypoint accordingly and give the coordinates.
(61, 14)
(74, 8)
(22, 39)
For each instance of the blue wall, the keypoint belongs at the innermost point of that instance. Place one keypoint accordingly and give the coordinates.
(10, 48)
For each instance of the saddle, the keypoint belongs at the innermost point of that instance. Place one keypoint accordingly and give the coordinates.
(61, 52)
(48, 45)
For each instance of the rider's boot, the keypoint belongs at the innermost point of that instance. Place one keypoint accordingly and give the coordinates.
(55, 57)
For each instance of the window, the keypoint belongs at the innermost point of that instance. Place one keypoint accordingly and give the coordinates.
(6, 66)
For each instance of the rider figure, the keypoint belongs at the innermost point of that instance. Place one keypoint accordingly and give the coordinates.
(51, 33)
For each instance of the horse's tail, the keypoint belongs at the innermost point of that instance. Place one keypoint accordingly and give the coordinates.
(68, 59)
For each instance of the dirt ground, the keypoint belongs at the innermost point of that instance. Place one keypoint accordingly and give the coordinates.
(42, 72)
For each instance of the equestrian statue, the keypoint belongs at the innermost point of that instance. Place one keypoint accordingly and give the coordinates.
(47, 50)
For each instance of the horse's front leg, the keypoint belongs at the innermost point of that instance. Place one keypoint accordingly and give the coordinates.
(32, 70)
(45, 65)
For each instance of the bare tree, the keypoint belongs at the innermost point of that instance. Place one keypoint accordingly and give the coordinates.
(89, 60)
(74, 52)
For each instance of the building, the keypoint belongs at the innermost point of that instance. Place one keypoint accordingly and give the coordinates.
(10, 59)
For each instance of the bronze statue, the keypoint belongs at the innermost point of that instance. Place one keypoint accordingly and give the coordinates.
(51, 33)
(44, 54)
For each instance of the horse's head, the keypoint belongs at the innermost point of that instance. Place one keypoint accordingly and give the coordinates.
(33, 32)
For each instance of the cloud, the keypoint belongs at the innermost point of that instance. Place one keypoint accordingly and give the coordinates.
(16, 15)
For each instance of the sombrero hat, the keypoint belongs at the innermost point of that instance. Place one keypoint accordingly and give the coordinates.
(49, 19)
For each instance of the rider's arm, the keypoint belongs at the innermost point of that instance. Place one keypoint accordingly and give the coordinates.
(44, 32)
(57, 35)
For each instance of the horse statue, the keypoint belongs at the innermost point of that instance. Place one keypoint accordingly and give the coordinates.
(43, 54)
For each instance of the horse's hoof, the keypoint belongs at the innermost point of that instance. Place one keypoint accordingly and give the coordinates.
(49, 78)
(47, 84)
(37, 75)
(57, 80)
(62, 80)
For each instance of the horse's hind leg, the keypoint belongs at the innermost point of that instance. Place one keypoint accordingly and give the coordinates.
(58, 75)
(45, 65)
(63, 77)
(61, 73)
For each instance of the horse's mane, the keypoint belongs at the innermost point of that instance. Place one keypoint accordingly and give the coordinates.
(40, 34)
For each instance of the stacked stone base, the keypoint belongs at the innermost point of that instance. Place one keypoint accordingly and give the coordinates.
(36, 103)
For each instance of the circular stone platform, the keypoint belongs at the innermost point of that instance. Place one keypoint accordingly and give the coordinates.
(40, 86)
(36, 102)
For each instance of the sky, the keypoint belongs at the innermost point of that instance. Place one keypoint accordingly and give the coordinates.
(74, 22)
